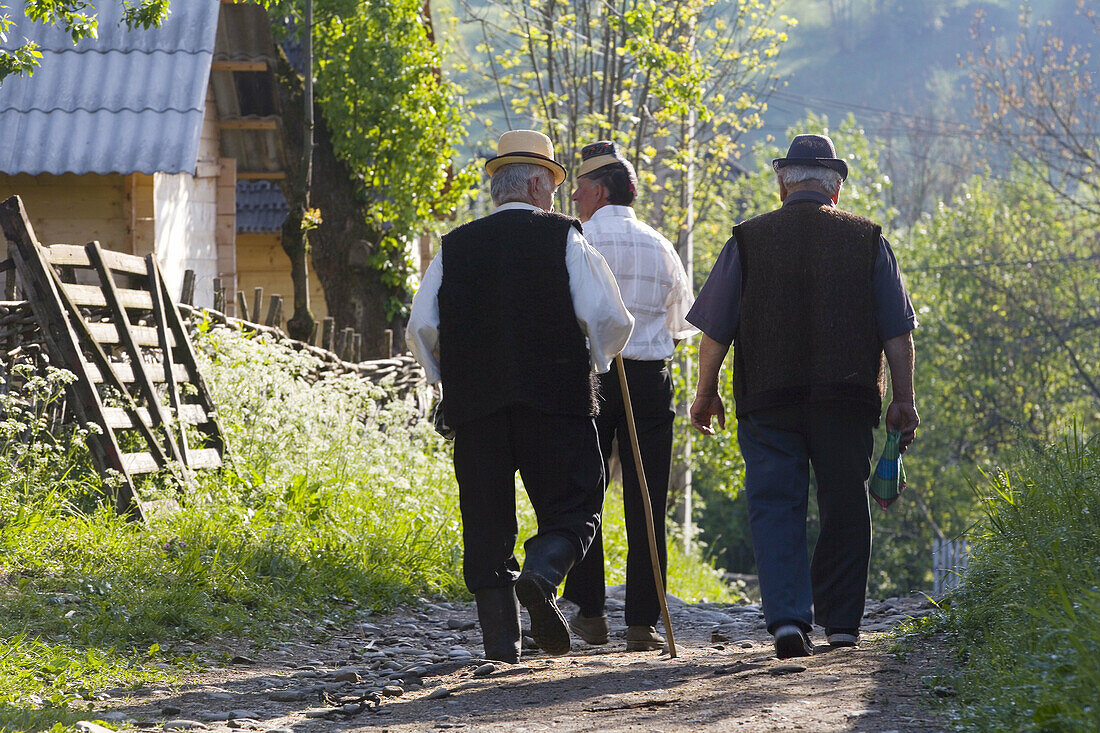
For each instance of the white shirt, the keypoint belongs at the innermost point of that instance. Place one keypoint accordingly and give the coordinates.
(652, 281)
(601, 314)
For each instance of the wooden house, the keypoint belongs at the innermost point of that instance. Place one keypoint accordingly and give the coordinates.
(139, 138)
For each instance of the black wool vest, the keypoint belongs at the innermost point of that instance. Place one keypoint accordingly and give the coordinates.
(807, 331)
(508, 333)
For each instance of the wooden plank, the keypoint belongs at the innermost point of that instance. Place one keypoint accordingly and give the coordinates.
(203, 458)
(73, 255)
(261, 175)
(187, 292)
(206, 458)
(92, 295)
(104, 367)
(138, 463)
(242, 306)
(125, 373)
(118, 418)
(245, 123)
(35, 273)
(212, 429)
(107, 333)
(238, 66)
(141, 375)
(165, 338)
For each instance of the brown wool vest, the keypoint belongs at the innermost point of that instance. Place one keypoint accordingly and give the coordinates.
(807, 331)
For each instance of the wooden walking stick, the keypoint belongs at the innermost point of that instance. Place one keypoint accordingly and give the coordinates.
(658, 577)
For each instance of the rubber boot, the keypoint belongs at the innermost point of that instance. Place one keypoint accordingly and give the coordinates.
(498, 614)
(549, 558)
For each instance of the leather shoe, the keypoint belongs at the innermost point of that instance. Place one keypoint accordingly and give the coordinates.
(594, 630)
(643, 639)
(791, 641)
(548, 627)
(842, 637)
(498, 615)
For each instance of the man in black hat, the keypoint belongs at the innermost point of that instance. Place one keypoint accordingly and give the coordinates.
(655, 289)
(810, 297)
(514, 315)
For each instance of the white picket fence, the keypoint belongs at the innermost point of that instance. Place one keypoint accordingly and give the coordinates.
(950, 559)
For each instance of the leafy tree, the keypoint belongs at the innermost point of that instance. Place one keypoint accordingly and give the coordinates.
(1040, 99)
(390, 124)
(74, 16)
(675, 84)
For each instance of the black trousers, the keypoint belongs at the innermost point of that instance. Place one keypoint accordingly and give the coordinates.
(558, 458)
(779, 445)
(651, 396)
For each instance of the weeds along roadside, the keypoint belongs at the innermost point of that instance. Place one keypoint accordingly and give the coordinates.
(338, 500)
(1025, 624)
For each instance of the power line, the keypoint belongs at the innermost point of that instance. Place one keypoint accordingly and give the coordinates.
(992, 264)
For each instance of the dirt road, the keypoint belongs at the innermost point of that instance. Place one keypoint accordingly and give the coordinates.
(420, 670)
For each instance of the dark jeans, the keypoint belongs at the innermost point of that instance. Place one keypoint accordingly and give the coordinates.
(651, 397)
(778, 446)
(558, 458)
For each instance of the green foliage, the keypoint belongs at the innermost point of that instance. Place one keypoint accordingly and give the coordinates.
(674, 84)
(333, 504)
(74, 18)
(1026, 622)
(1004, 282)
(393, 119)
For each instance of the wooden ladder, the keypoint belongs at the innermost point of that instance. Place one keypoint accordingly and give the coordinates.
(108, 318)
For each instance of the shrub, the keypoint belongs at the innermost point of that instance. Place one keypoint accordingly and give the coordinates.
(1026, 621)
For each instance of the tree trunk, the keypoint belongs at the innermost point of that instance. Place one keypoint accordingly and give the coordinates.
(296, 246)
(343, 243)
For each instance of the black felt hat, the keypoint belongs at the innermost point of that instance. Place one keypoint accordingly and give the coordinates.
(812, 150)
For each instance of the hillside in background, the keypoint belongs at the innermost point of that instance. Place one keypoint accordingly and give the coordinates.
(885, 61)
(877, 57)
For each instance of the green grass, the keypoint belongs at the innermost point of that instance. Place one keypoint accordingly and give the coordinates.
(1026, 623)
(337, 500)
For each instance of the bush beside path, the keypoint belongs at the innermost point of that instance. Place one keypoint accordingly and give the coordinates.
(419, 668)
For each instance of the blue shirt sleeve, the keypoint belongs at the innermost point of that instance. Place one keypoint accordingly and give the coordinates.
(894, 312)
(717, 309)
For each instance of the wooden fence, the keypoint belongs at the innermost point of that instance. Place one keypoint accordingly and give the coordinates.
(950, 559)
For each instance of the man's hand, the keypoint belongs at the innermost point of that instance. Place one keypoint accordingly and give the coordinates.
(703, 409)
(901, 416)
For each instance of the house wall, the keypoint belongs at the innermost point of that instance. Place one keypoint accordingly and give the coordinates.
(262, 263)
(185, 213)
(72, 209)
(139, 196)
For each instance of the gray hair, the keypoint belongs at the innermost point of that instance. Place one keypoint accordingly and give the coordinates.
(509, 182)
(827, 177)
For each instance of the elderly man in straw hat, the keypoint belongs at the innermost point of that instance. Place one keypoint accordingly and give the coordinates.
(810, 296)
(514, 315)
(655, 289)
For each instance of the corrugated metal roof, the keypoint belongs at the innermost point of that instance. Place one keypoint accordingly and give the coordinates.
(244, 34)
(261, 208)
(125, 102)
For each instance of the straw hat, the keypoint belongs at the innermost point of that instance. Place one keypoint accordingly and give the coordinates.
(526, 146)
(600, 155)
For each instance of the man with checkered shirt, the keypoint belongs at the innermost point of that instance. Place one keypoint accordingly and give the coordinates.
(655, 289)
